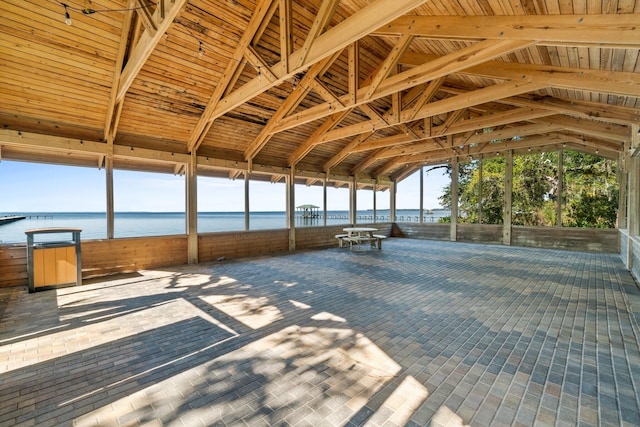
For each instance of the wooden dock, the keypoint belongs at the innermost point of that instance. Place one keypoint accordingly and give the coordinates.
(8, 219)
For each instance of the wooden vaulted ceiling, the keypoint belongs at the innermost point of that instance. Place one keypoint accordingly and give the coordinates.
(332, 88)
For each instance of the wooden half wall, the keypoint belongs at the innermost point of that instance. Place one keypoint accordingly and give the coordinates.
(108, 256)
(574, 239)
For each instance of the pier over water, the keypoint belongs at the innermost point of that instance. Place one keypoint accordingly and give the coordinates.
(8, 219)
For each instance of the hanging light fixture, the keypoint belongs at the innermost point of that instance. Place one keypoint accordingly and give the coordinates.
(67, 17)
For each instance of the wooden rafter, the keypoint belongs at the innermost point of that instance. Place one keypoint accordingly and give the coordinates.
(614, 82)
(613, 30)
(292, 101)
(425, 96)
(456, 61)
(389, 64)
(146, 44)
(286, 42)
(203, 125)
(480, 96)
(361, 23)
(308, 145)
(320, 24)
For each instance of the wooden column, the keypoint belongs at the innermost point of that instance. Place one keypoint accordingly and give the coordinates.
(291, 209)
(622, 177)
(480, 190)
(633, 189)
(375, 203)
(392, 201)
(508, 197)
(560, 188)
(421, 194)
(352, 200)
(633, 205)
(453, 230)
(247, 205)
(108, 167)
(324, 201)
(192, 209)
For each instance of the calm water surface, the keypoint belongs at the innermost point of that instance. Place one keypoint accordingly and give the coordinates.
(135, 224)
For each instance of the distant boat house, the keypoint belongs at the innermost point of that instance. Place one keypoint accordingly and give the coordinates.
(308, 211)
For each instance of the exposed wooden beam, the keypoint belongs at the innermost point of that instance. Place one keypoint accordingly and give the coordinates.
(36, 142)
(480, 96)
(604, 131)
(354, 71)
(581, 109)
(607, 30)
(146, 17)
(336, 38)
(320, 24)
(199, 132)
(115, 107)
(414, 93)
(286, 42)
(432, 88)
(308, 145)
(292, 101)
(146, 44)
(256, 60)
(604, 81)
(265, 22)
(552, 141)
(389, 64)
(456, 61)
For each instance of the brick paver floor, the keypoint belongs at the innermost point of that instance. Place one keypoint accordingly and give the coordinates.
(419, 333)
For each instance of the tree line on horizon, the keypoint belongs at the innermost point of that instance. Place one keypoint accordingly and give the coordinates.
(589, 190)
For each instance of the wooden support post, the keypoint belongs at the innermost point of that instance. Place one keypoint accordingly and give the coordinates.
(508, 197)
(622, 177)
(480, 191)
(455, 175)
(392, 201)
(633, 205)
(560, 188)
(247, 205)
(108, 166)
(375, 207)
(291, 209)
(324, 201)
(421, 194)
(352, 200)
(633, 189)
(191, 180)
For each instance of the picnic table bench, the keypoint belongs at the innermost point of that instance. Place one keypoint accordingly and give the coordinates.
(360, 236)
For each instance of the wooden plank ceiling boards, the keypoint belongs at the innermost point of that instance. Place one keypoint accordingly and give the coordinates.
(332, 88)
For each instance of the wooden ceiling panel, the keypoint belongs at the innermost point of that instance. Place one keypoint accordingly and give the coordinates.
(219, 79)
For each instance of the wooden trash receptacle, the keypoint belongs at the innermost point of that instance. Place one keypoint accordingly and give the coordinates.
(53, 263)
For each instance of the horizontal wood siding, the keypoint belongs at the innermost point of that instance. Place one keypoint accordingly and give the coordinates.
(635, 257)
(13, 265)
(624, 248)
(101, 257)
(574, 239)
(479, 233)
(317, 237)
(429, 231)
(241, 244)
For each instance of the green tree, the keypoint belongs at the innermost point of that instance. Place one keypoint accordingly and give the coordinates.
(590, 191)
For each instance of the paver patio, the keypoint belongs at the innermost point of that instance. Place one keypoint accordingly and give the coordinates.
(420, 333)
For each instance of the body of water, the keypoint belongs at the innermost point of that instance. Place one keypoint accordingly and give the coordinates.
(136, 224)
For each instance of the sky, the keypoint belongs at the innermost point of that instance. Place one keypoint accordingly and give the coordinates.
(30, 187)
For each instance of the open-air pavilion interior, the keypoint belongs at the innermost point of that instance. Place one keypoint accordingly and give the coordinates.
(448, 324)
